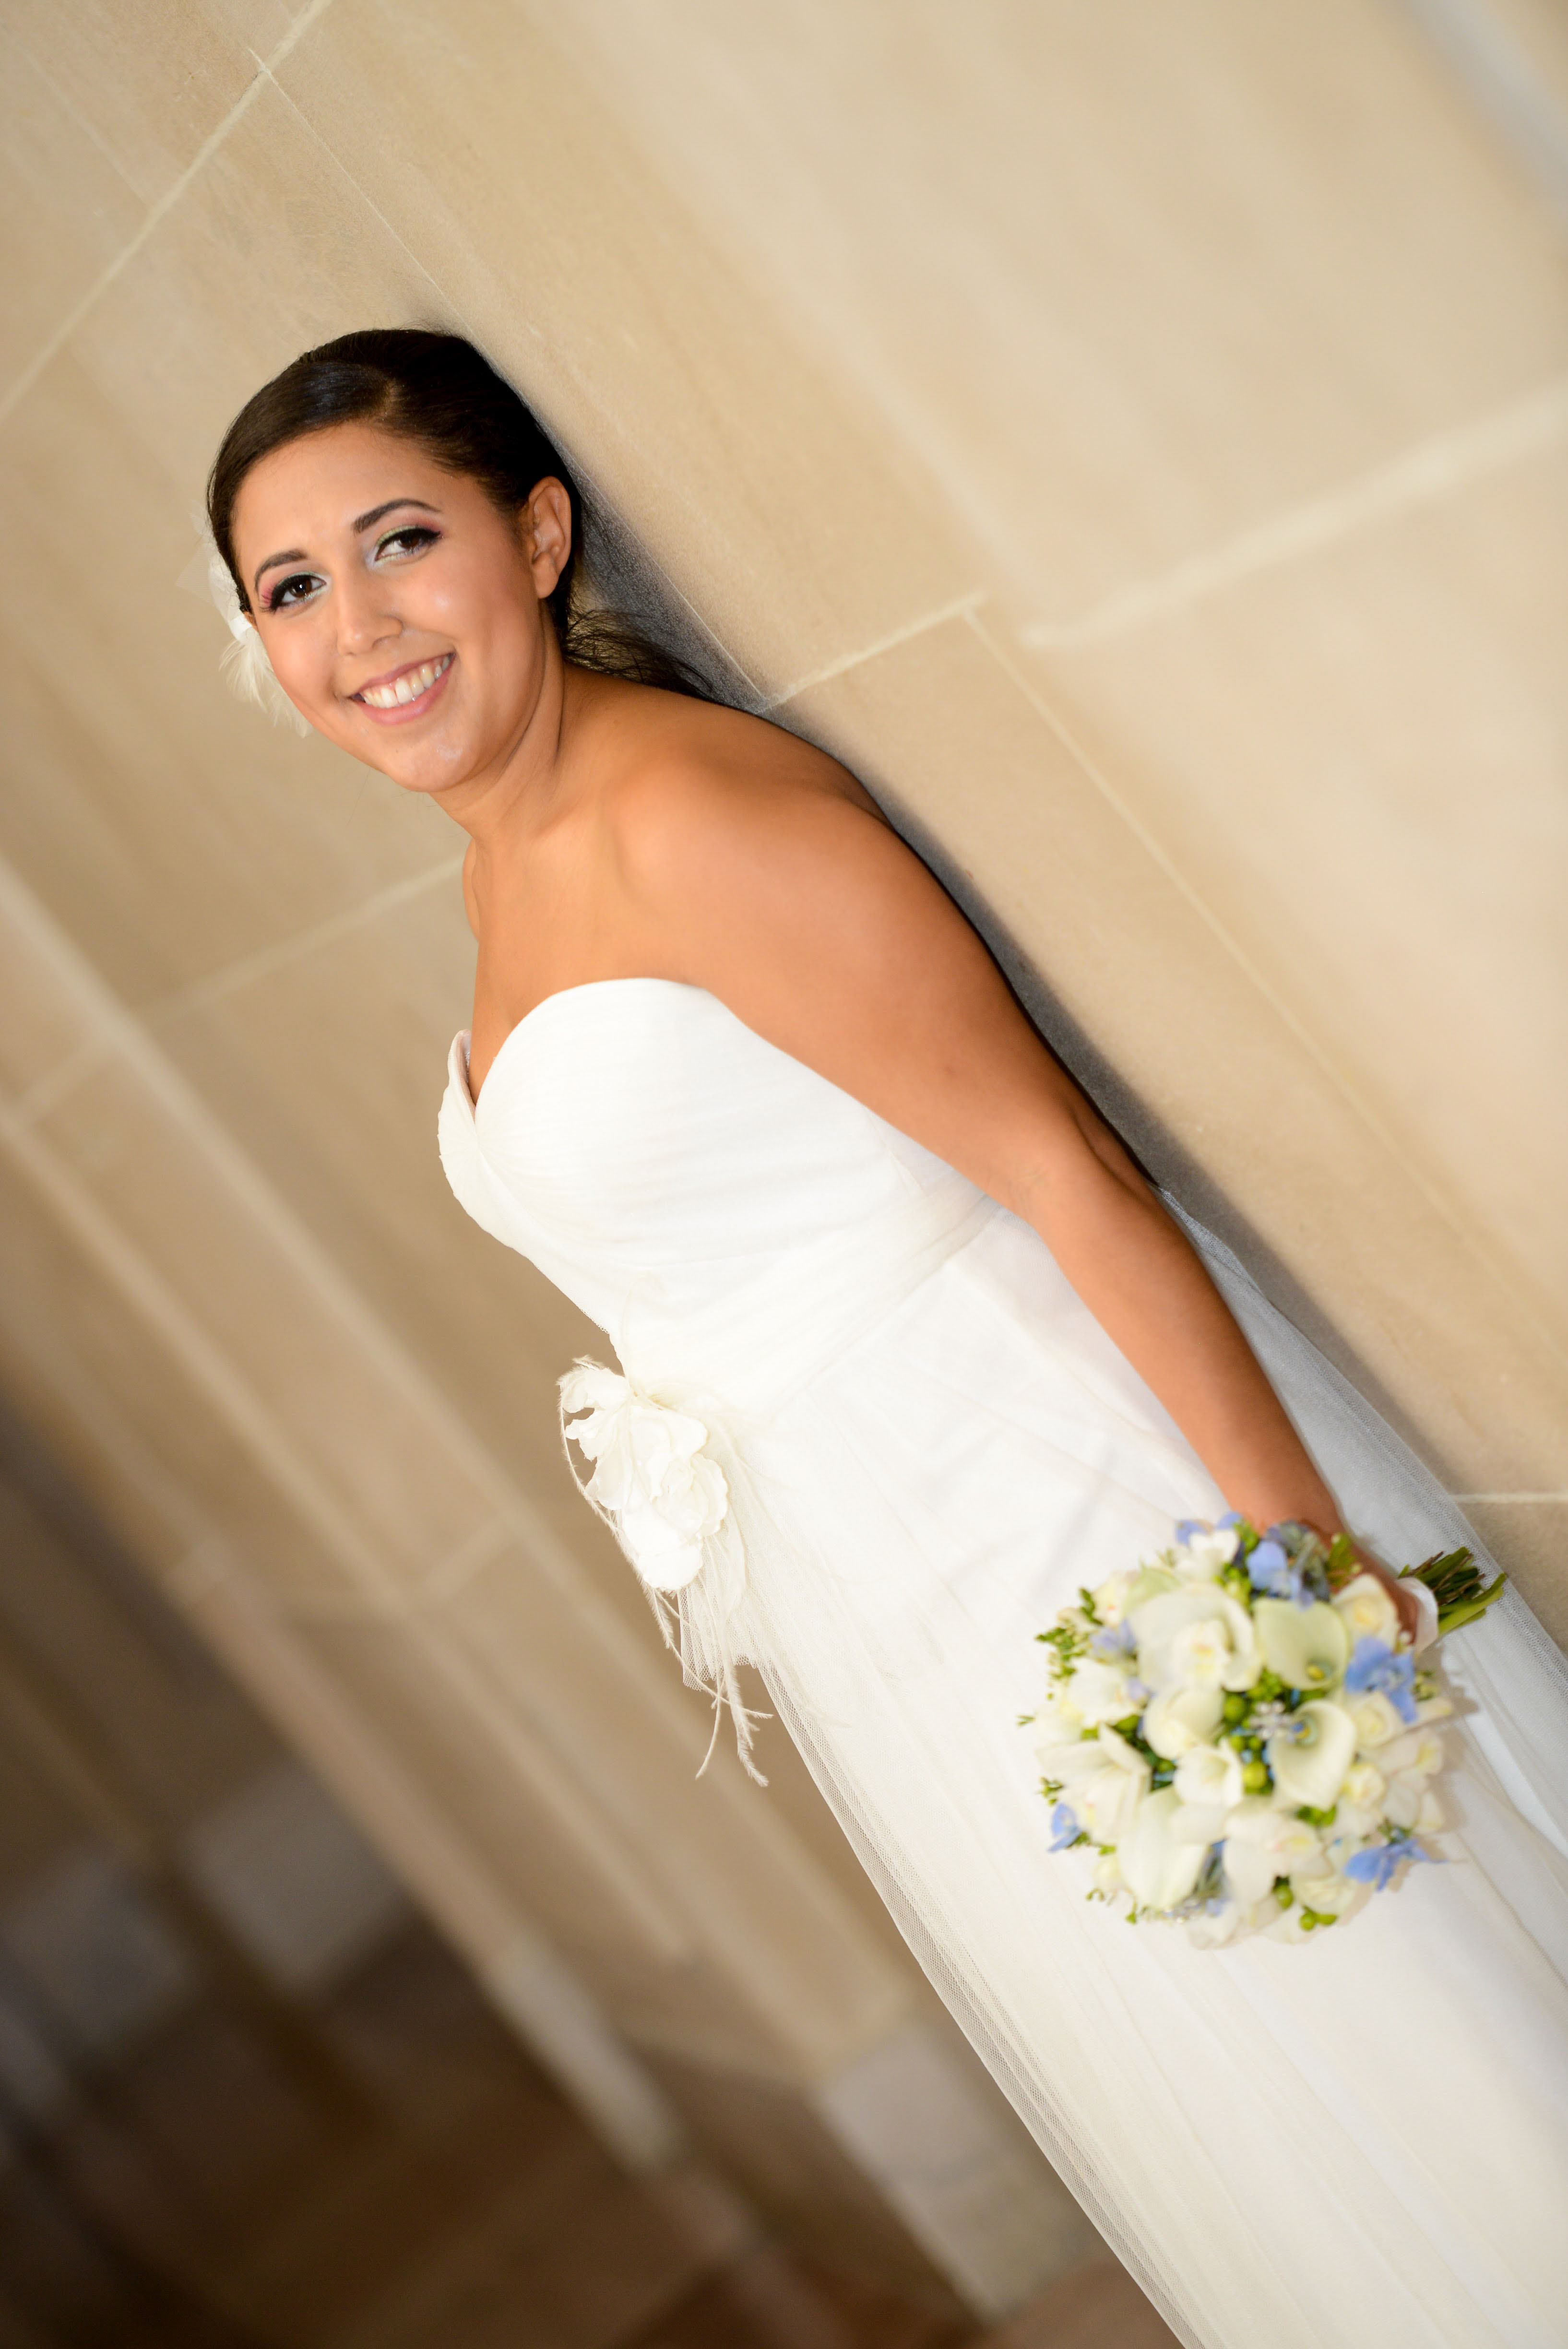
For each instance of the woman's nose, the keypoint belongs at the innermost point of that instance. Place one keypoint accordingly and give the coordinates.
(364, 619)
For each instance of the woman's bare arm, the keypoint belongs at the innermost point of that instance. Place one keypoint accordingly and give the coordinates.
(818, 926)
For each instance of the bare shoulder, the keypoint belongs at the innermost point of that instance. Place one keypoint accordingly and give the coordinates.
(696, 786)
(756, 865)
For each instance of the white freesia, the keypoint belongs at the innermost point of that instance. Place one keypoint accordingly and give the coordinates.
(1099, 1692)
(1308, 1647)
(1103, 1781)
(1406, 1798)
(1368, 1612)
(1177, 1719)
(1159, 1870)
(1419, 1750)
(1057, 1722)
(1360, 1807)
(1325, 1894)
(1263, 1842)
(1330, 1894)
(1200, 1653)
(1110, 1598)
(1205, 1555)
(1149, 1582)
(1195, 1637)
(1219, 1922)
(652, 1477)
(1376, 1720)
(1209, 1781)
(1310, 1757)
(1363, 1786)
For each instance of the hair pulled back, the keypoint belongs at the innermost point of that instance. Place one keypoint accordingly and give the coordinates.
(440, 393)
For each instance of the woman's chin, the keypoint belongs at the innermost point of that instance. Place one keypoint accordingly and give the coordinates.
(428, 768)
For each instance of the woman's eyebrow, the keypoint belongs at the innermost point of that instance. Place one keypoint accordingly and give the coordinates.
(289, 555)
(369, 521)
(360, 522)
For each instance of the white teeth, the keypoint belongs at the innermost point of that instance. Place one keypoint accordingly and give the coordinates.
(407, 688)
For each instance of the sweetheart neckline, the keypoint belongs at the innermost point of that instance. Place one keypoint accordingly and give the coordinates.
(560, 994)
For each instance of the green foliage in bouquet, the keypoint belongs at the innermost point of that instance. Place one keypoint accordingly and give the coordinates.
(1454, 1580)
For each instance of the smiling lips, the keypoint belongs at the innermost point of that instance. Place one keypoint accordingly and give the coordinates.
(399, 694)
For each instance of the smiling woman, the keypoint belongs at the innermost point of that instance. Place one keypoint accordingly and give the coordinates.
(910, 1351)
(435, 394)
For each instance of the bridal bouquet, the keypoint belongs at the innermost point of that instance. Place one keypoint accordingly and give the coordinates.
(1240, 1730)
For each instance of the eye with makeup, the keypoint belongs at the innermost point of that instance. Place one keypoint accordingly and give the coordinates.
(411, 538)
(296, 589)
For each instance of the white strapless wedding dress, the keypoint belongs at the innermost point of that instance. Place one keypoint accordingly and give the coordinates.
(929, 1444)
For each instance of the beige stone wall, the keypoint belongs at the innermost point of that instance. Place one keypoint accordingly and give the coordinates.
(1135, 438)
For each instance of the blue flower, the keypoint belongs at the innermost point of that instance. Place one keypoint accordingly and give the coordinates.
(1065, 1828)
(1230, 1517)
(1270, 1569)
(1113, 1642)
(1376, 1669)
(1380, 1863)
(1187, 1528)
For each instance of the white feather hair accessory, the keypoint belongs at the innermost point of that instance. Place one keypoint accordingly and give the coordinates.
(243, 660)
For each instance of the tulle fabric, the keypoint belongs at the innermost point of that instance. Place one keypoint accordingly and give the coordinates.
(929, 1444)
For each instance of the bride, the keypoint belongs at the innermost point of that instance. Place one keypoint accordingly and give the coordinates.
(928, 1354)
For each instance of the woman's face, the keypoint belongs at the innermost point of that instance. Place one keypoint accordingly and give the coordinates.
(400, 612)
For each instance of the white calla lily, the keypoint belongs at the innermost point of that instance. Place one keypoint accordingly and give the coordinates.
(1310, 1756)
(1308, 1647)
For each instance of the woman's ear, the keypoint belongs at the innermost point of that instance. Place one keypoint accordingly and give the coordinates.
(548, 533)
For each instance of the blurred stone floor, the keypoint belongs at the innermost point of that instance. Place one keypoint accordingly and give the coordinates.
(404, 2179)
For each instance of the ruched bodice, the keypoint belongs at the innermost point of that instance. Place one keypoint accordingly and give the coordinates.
(874, 1440)
(676, 1176)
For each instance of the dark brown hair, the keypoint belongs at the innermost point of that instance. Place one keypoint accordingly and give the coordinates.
(442, 394)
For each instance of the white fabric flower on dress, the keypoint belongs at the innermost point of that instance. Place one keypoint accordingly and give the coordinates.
(652, 1476)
